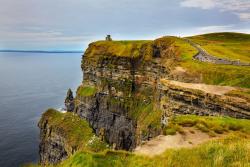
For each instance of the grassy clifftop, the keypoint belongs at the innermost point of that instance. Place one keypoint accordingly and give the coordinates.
(117, 48)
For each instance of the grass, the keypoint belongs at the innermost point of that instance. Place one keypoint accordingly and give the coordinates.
(116, 48)
(230, 151)
(233, 46)
(76, 131)
(85, 91)
(212, 125)
(211, 73)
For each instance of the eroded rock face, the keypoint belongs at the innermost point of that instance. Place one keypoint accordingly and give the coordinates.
(109, 121)
(52, 148)
(182, 100)
(118, 80)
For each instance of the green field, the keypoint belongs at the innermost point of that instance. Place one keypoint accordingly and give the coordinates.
(214, 74)
(233, 46)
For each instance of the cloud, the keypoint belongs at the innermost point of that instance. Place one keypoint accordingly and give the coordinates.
(214, 28)
(239, 7)
(203, 4)
(244, 16)
(40, 38)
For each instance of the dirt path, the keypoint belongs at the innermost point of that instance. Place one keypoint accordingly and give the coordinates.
(213, 89)
(160, 144)
(204, 56)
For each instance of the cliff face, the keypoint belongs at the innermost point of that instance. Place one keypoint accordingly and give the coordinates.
(123, 86)
(61, 136)
(52, 148)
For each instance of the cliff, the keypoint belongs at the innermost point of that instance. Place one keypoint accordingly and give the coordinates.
(128, 96)
(62, 135)
(129, 100)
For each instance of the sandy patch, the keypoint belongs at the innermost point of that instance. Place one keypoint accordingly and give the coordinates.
(213, 89)
(160, 144)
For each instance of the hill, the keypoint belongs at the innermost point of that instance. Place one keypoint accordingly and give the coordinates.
(234, 46)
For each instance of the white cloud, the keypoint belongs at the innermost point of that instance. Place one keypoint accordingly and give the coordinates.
(41, 39)
(238, 7)
(214, 28)
(204, 4)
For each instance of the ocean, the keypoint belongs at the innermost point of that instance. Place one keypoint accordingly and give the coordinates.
(30, 83)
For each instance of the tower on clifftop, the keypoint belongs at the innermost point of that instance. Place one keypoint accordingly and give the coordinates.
(108, 38)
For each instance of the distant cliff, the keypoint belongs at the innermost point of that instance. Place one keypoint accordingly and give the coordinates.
(128, 96)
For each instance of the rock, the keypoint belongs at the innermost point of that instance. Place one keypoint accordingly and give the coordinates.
(69, 101)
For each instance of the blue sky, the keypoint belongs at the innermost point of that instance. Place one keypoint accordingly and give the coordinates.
(72, 24)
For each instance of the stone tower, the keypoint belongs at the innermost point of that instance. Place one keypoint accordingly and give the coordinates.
(108, 38)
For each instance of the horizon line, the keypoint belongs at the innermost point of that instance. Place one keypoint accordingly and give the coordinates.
(41, 51)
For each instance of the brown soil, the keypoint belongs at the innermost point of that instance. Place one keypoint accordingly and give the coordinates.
(160, 144)
(213, 89)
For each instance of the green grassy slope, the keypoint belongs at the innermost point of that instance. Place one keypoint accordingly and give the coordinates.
(212, 73)
(233, 46)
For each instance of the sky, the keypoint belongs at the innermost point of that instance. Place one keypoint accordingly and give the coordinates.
(72, 24)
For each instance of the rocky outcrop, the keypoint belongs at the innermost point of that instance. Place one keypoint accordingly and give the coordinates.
(52, 148)
(61, 135)
(69, 101)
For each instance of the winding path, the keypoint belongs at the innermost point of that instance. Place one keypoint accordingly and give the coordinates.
(204, 56)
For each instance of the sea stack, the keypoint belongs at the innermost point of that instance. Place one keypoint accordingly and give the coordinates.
(69, 101)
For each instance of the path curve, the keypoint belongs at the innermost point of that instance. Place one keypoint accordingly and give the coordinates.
(204, 56)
